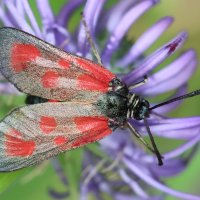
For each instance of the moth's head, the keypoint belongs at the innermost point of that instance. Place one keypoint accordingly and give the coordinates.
(141, 110)
(138, 107)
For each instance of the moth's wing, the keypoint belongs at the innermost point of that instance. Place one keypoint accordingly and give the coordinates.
(33, 133)
(41, 69)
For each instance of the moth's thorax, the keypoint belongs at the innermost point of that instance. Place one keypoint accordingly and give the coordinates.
(114, 103)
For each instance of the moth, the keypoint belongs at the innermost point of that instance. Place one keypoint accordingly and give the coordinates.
(72, 101)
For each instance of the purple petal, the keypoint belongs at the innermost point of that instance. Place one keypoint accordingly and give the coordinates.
(175, 152)
(12, 19)
(155, 115)
(179, 134)
(97, 195)
(104, 15)
(45, 12)
(170, 107)
(20, 7)
(95, 21)
(191, 120)
(149, 180)
(133, 185)
(179, 128)
(61, 30)
(49, 35)
(5, 19)
(170, 77)
(48, 20)
(145, 41)
(102, 185)
(97, 12)
(59, 171)
(83, 192)
(21, 22)
(61, 35)
(117, 13)
(178, 151)
(177, 81)
(58, 195)
(157, 58)
(32, 19)
(67, 10)
(113, 140)
(2, 77)
(120, 196)
(177, 123)
(170, 168)
(161, 47)
(89, 11)
(128, 19)
(8, 88)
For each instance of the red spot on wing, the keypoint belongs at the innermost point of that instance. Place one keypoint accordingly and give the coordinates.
(17, 147)
(91, 137)
(21, 54)
(88, 82)
(98, 71)
(47, 124)
(14, 133)
(64, 64)
(91, 124)
(50, 79)
(60, 140)
(95, 128)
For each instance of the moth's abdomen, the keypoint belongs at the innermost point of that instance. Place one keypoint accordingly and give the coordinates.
(30, 99)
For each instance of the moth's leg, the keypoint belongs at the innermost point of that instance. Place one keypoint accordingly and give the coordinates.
(139, 137)
(139, 84)
(156, 115)
(91, 42)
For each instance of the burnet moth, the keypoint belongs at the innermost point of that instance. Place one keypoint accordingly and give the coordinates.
(72, 101)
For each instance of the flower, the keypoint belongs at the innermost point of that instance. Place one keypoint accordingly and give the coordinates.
(131, 165)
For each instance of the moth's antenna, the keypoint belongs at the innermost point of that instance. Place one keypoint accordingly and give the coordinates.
(90, 41)
(197, 92)
(160, 163)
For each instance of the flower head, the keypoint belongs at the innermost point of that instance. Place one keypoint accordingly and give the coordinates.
(130, 164)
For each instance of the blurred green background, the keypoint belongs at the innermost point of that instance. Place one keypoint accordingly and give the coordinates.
(33, 183)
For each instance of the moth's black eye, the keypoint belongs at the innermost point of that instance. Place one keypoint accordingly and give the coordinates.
(119, 83)
(142, 110)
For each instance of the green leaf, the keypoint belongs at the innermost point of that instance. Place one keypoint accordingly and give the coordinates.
(94, 148)
(71, 162)
(7, 103)
(8, 179)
